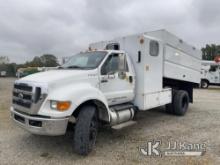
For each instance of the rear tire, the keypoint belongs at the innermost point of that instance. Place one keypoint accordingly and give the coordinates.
(180, 103)
(86, 130)
(169, 107)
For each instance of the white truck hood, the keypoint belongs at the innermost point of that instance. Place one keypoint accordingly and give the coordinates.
(56, 78)
(54, 75)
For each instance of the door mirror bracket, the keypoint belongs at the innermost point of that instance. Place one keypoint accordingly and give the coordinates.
(122, 75)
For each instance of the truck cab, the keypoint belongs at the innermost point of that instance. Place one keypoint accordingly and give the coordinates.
(44, 103)
(210, 74)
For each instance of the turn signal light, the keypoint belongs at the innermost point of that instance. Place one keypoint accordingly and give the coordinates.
(60, 105)
(63, 106)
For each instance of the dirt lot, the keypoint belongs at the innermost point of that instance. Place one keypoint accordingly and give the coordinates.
(200, 125)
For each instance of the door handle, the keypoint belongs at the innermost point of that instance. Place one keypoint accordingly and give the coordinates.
(104, 81)
(130, 79)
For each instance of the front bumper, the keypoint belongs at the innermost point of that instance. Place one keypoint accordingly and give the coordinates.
(40, 125)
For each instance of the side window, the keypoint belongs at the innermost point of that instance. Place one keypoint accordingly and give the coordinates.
(213, 69)
(123, 65)
(114, 63)
(154, 48)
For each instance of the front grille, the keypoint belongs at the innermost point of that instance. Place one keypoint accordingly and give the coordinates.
(23, 95)
(22, 103)
(27, 98)
(24, 87)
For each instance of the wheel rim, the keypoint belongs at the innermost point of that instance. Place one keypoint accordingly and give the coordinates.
(204, 84)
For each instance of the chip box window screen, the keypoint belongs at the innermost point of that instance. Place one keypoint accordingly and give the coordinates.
(154, 48)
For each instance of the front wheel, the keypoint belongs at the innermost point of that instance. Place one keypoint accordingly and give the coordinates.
(86, 130)
(204, 84)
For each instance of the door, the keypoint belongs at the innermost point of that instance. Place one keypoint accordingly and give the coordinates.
(153, 69)
(116, 79)
(214, 74)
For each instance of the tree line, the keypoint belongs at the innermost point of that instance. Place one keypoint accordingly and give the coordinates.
(209, 52)
(46, 60)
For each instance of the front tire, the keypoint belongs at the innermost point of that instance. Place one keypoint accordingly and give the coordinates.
(86, 130)
(204, 84)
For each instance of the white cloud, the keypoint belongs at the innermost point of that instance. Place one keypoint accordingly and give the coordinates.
(31, 28)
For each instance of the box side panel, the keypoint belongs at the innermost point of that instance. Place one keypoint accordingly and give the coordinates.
(139, 101)
(157, 99)
(181, 66)
(177, 72)
(170, 39)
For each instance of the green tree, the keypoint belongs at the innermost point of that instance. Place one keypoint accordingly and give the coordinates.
(12, 67)
(46, 60)
(209, 52)
(36, 62)
(49, 60)
(9, 68)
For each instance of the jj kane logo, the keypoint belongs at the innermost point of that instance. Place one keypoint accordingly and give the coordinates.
(153, 148)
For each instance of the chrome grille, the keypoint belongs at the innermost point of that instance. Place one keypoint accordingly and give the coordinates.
(23, 87)
(27, 98)
(22, 103)
(23, 95)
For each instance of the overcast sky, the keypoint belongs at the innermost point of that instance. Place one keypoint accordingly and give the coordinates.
(31, 28)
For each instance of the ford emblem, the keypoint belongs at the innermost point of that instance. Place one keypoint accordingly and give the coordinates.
(20, 95)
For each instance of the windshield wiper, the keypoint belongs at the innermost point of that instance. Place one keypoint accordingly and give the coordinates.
(60, 67)
(75, 66)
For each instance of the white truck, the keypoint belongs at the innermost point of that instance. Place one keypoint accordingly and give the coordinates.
(107, 85)
(210, 74)
(3, 73)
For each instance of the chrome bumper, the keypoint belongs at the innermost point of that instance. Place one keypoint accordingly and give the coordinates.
(40, 125)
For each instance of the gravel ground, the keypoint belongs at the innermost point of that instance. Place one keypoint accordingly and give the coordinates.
(200, 125)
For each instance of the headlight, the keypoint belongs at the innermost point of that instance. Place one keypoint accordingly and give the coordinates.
(60, 105)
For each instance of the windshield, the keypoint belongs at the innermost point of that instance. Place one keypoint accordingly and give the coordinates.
(87, 60)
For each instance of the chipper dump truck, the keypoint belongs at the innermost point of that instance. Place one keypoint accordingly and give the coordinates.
(107, 86)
